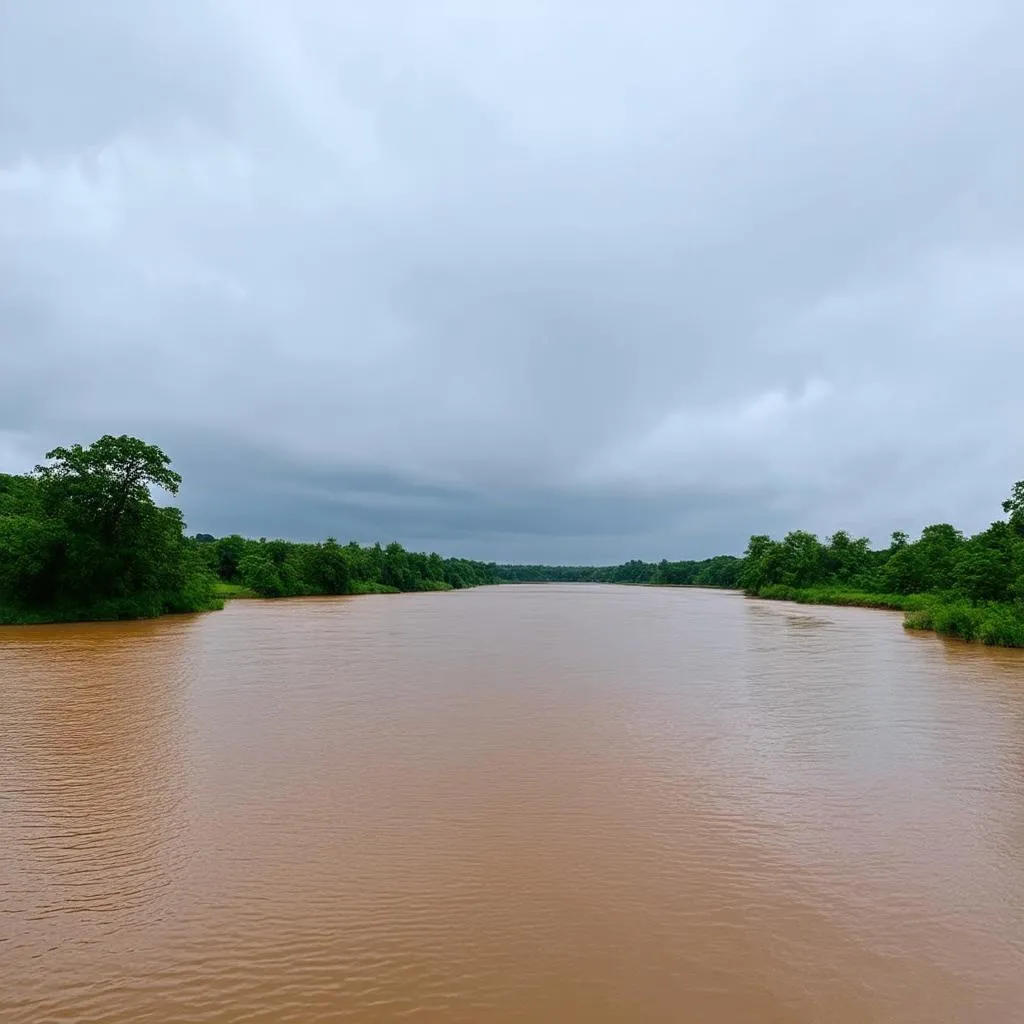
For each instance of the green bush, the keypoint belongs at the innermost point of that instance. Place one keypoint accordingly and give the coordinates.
(920, 619)
(994, 624)
(957, 618)
(834, 596)
(370, 587)
(1002, 626)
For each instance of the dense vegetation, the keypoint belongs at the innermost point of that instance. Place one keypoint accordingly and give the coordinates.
(720, 571)
(82, 538)
(969, 587)
(279, 568)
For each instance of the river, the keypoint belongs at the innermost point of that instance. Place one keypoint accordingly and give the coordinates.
(535, 804)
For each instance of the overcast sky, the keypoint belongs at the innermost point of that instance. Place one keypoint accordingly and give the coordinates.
(561, 280)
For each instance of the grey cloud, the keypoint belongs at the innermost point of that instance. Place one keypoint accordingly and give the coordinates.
(532, 280)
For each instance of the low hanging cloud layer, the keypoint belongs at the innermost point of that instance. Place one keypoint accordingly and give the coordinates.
(559, 280)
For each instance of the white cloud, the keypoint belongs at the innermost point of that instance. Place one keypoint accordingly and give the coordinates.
(560, 250)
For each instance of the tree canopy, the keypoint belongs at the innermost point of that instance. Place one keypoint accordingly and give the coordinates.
(82, 537)
(278, 568)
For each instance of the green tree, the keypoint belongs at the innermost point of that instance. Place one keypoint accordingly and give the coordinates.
(1014, 508)
(802, 559)
(984, 570)
(258, 572)
(82, 537)
(845, 559)
(761, 563)
(939, 547)
(105, 483)
(229, 553)
(327, 568)
(395, 570)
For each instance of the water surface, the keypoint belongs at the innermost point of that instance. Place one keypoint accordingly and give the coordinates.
(562, 803)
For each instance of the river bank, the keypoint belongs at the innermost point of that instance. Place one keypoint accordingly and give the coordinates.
(992, 623)
(227, 591)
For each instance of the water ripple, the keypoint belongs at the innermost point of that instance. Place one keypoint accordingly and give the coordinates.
(511, 804)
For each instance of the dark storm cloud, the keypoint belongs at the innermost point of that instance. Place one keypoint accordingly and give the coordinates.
(526, 280)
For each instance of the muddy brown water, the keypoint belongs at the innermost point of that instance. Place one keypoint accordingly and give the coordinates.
(561, 803)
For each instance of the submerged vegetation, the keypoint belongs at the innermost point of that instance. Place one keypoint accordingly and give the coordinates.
(81, 538)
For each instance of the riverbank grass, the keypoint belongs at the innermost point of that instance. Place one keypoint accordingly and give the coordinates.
(121, 610)
(841, 596)
(231, 590)
(990, 623)
(997, 625)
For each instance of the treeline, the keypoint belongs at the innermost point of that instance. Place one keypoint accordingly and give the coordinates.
(969, 587)
(720, 571)
(81, 538)
(279, 568)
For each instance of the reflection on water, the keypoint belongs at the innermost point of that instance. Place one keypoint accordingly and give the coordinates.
(513, 804)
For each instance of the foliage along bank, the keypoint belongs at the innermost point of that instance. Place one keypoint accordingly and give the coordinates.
(967, 587)
(81, 538)
(720, 571)
(280, 568)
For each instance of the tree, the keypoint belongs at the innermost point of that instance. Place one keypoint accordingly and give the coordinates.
(395, 571)
(902, 572)
(327, 568)
(1014, 508)
(29, 553)
(230, 552)
(760, 563)
(259, 574)
(110, 545)
(845, 559)
(984, 570)
(106, 480)
(939, 546)
(802, 558)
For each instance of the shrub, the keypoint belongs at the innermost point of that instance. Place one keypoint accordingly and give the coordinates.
(1002, 626)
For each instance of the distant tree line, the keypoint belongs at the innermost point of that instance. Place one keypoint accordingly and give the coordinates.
(280, 568)
(81, 537)
(720, 571)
